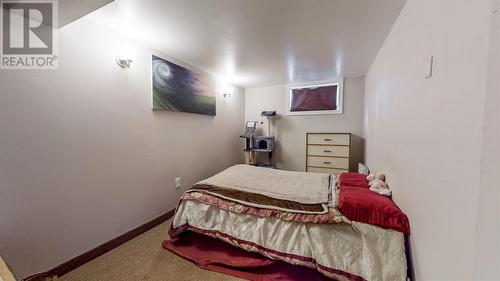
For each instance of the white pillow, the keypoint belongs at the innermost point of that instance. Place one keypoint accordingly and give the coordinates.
(363, 169)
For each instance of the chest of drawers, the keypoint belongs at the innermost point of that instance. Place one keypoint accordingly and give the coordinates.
(328, 152)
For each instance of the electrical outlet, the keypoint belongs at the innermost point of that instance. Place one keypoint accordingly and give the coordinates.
(177, 182)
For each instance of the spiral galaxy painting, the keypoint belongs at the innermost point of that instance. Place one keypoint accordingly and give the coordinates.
(176, 88)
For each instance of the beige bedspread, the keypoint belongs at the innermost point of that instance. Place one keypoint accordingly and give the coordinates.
(338, 248)
(366, 251)
(306, 188)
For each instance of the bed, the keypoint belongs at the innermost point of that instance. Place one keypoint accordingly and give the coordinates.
(330, 223)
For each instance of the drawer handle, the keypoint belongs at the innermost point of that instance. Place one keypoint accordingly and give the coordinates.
(327, 151)
(327, 163)
(328, 139)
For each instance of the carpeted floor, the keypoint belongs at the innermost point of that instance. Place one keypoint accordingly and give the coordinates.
(143, 258)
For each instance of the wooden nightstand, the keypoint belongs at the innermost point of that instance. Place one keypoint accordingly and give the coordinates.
(328, 152)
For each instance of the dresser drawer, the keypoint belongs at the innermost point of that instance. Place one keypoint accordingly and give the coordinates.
(326, 170)
(322, 150)
(331, 139)
(328, 162)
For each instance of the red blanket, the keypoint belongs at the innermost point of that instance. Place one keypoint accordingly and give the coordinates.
(358, 203)
(353, 179)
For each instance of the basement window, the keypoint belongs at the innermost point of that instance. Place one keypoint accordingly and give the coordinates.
(315, 98)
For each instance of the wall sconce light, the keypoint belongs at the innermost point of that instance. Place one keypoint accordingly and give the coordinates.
(227, 91)
(126, 56)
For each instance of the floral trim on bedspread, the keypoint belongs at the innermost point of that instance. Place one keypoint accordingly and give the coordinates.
(336, 191)
(332, 216)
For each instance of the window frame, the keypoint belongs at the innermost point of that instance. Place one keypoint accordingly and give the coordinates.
(340, 98)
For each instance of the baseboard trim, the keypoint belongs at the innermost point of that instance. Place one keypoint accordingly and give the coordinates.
(106, 247)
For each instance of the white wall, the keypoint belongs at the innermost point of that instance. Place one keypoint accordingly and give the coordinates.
(83, 158)
(426, 135)
(487, 259)
(290, 131)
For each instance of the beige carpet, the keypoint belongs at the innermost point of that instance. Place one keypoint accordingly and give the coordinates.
(143, 258)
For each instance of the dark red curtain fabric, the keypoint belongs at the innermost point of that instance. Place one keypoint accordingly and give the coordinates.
(313, 99)
(212, 254)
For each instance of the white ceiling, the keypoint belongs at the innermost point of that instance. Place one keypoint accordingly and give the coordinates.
(260, 42)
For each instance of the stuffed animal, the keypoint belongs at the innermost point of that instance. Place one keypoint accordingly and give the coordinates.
(380, 176)
(373, 176)
(378, 184)
(386, 192)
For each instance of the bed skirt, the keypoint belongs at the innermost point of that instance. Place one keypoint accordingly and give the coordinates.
(212, 254)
